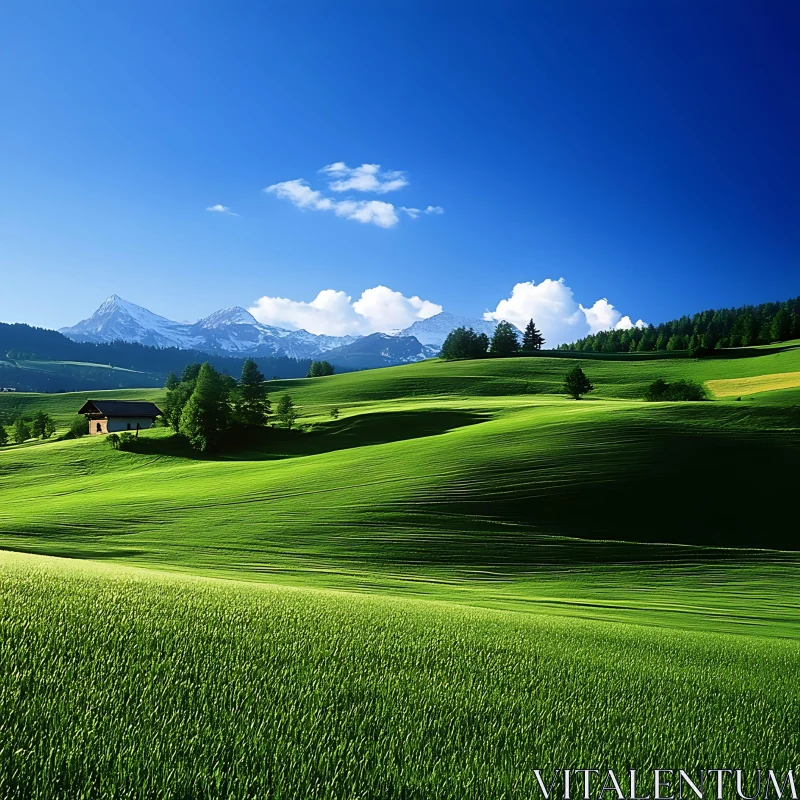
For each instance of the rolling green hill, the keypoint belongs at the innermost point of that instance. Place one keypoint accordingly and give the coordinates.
(463, 578)
(466, 478)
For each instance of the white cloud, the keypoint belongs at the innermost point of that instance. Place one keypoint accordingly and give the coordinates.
(388, 310)
(220, 209)
(303, 196)
(552, 306)
(415, 212)
(602, 316)
(625, 324)
(366, 178)
(334, 313)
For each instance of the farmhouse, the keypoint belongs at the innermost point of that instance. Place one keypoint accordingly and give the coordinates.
(110, 416)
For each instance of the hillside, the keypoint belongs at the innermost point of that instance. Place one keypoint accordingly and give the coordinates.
(431, 591)
(436, 472)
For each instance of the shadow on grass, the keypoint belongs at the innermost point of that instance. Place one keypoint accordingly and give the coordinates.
(361, 430)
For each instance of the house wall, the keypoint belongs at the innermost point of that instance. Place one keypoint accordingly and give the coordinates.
(119, 424)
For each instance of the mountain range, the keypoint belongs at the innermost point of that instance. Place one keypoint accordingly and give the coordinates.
(235, 331)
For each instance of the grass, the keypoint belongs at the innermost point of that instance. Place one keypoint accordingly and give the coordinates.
(462, 578)
(153, 686)
(57, 375)
(754, 385)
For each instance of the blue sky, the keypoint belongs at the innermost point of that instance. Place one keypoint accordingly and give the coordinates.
(644, 152)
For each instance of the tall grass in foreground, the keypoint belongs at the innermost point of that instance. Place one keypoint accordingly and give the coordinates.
(124, 684)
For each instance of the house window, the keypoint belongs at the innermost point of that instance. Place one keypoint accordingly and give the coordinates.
(129, 426)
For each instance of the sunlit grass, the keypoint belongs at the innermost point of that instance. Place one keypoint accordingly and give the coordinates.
(130, 684)
(759, 383)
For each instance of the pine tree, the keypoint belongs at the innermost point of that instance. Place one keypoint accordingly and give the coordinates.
(42, 425)
(781, 326)
(532, 339)
(206, 415)
(576, 383)
(171, 382)
(505, 341)
(251, 405)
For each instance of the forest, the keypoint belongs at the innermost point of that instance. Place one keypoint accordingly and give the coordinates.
(702, 333)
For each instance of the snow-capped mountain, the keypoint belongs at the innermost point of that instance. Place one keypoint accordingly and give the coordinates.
(231, 331)
(433, 331)
(118, 320)
(235, 331)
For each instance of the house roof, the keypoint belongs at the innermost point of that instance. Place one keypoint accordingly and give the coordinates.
(121, 408)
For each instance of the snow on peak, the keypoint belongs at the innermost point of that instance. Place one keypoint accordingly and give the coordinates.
(235, 315)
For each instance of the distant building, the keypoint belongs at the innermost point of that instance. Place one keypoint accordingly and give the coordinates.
(8, 389)
(112, 416)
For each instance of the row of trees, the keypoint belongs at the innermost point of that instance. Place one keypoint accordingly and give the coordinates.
(40, 426)
(319, 369)
(204, 405)
(466, 343)
(703, 333)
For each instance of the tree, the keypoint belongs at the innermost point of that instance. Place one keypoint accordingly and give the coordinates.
(781, 327)
(206, 414)
(171, 382)
(3, 435)
(532, 339)
(113, 440)
(21, 431)
(335, 413)
(251, 405)
(190, 373)
(177, 399)
(320, 368)
(505, 341)
(42, 425)
(287, 411)
(576, 383)
(661, 391)
(464, 343)
(78, 427)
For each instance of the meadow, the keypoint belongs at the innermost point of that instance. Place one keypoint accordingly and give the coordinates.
(157, 686)
(464, 577)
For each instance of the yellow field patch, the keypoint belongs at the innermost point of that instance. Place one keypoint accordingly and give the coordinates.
(758, 383)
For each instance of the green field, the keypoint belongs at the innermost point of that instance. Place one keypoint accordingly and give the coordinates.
(464, 577)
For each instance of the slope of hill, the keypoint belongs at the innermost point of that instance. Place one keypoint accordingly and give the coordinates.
(444, 471)
(613, 520)
(156, 685)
